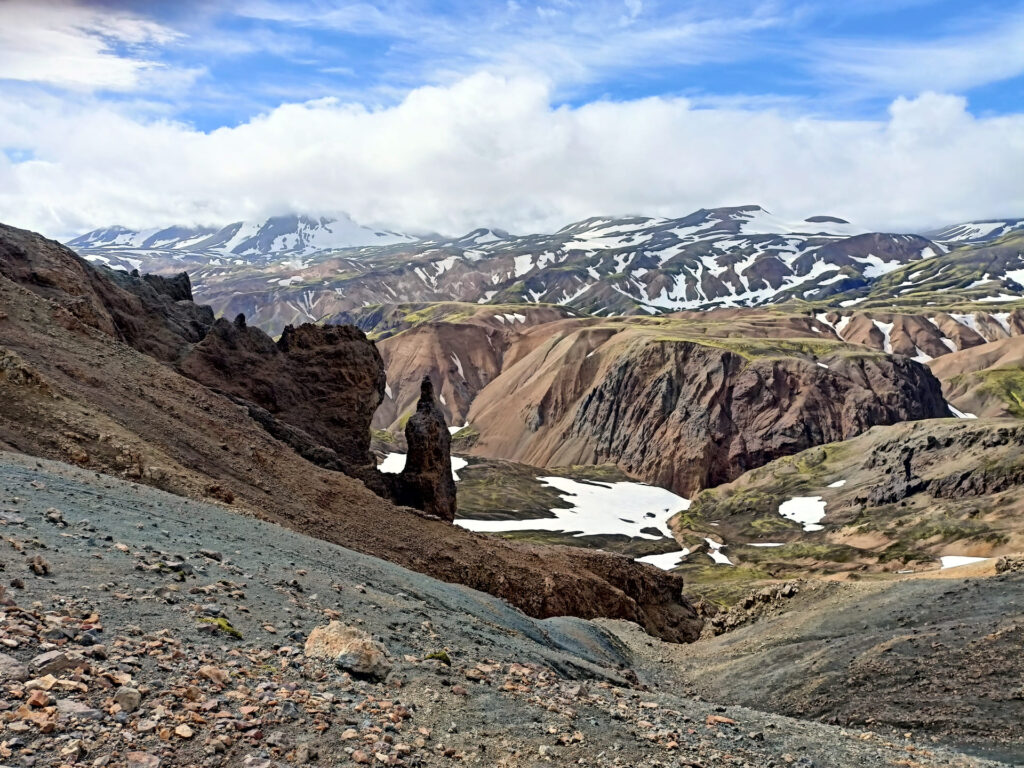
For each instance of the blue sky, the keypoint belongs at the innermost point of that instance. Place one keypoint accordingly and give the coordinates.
(158, 77)
(844, 59)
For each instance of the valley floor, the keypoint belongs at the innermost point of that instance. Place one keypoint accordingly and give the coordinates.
(127, 575)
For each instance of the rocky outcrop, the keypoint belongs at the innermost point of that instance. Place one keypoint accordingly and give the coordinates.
(1010, 564)
(325, 381)
(902, 465)
(152, 314)
(426, 483)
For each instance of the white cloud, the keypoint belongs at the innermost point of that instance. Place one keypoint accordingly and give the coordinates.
(489, 150)
(74, 46)
(952, 63)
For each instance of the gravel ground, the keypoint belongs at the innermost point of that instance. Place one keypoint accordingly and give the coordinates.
(939, 657)
(144, 629)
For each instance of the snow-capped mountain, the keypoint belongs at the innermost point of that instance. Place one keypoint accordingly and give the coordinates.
(242, 242)
(721, 257)
(977, 231)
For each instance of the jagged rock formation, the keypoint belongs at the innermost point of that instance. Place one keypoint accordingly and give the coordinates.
(154, 315)
(426, 482)
(323, 380)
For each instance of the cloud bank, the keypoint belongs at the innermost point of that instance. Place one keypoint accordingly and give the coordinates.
(491, 150)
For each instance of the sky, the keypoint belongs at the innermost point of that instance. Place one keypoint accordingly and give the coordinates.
(447, 115)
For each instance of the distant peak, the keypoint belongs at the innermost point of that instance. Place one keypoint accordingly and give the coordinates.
(825, 220)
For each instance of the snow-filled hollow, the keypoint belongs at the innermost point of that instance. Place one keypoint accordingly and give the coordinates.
(596, 509)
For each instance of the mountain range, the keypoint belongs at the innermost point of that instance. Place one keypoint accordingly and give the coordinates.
(239, 242)
(297, 269)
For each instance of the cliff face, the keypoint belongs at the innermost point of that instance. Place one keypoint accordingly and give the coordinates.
(686, 415)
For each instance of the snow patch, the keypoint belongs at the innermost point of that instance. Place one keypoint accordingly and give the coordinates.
(394, 463)
(597, 509)
(666, 561)
(960, 414)
(886, 329)
(809, 511)
(715, 552)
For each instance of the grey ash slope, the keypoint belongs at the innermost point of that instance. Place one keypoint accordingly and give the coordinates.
(512, 696)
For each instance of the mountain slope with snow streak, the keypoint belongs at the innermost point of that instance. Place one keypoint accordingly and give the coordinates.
(239, 243)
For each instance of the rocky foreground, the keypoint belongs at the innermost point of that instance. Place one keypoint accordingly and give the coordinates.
(143, 629)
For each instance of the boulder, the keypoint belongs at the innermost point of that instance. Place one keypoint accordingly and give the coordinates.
(69, 708)
(1010, 564)
(54, 662)
(350, 649)
(128, 699)
(12, 670)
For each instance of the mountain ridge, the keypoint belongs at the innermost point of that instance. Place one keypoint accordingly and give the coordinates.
(741, 256)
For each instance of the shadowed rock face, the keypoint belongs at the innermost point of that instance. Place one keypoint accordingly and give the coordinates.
(155, 315)
(316, 389)
(323, 380)
(426, 482)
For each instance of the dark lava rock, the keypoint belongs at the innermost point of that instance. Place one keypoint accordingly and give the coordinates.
(324, 381)
(688, 416)
(426, 482)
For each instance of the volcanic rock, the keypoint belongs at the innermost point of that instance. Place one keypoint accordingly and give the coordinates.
(154, 315)
(686, 415)
(350, 649)
(426, 482)
(12, 670)
(82, 393)
(1010, 564)
(325, 381)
